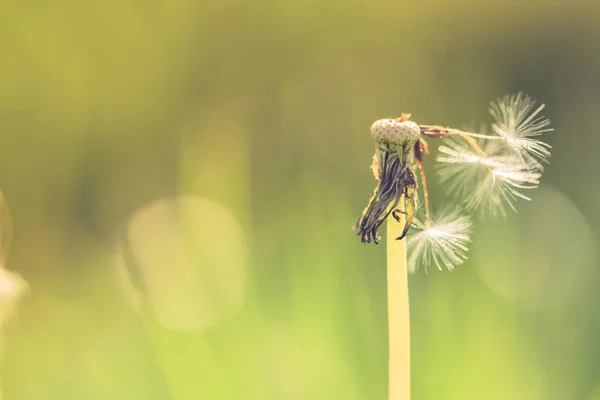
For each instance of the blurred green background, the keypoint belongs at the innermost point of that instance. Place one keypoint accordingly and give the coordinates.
(259, 113)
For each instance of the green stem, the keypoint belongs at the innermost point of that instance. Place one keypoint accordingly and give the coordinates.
(398, 313)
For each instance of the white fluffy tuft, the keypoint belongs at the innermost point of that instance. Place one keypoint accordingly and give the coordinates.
(442, 243)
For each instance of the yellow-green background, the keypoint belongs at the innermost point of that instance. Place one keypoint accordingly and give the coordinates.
(264, 107)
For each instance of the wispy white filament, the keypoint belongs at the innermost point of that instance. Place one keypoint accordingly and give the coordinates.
(500, 188)
(490, 172)
(490, 182)
(520, 123)
(442, 243)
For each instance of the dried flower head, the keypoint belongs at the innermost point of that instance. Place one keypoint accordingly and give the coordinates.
(394, 140)
(484, 172)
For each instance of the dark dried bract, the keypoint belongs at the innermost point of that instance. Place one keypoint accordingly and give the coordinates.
(391, 166)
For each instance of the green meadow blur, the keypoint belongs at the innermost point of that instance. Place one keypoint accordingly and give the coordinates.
(255, 116)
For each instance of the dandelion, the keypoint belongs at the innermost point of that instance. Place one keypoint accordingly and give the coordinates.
(484, 172)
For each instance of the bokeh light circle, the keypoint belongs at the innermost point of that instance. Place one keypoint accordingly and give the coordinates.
(541, 256)
(187, 259)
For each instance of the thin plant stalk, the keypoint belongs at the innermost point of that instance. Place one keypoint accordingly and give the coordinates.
(398, 312)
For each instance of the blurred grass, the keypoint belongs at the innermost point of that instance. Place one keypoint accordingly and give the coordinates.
(264, 108)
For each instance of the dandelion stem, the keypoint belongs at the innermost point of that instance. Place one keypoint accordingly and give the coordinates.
(398, 313)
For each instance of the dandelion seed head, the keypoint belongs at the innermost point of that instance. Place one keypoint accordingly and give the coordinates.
(395, 131)
(442, 242)
(520, 123)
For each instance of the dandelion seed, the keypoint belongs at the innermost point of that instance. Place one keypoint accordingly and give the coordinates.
(501, 188)
(442, 243)
(459, 160)
(518, 123)
(488, 183)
